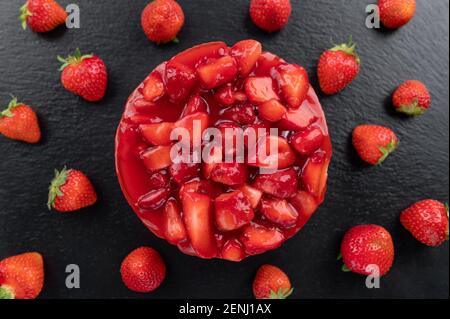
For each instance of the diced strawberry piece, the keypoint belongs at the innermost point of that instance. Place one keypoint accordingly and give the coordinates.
(254, 132)
(262, 155)
(279, 211)
(232, 137)
(153, 88)
(217, 72)
(195, 104)
(305, 204)
(266, 62)
(260, 90)
(308, 141)
(159, 180)
(183, 172)
(233, 210)
(243, 114)
(154, 199)
(200, 53)
(140, 119)
(281, 184)
(204, 187)
(214, 156)
(298, 119)
(254, 195)
(240, 97)
(142, 105)
(198, 219)
(225, 95)
(293, 81)
(230, 174)
(174, 230)
(246, 53)
(272, 111)
(157, 134)
(315, 174)
(157, 158)
(233, 251)
(195, 124)
(180, 80)
(258, 239)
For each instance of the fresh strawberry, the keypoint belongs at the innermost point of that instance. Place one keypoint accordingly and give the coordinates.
(233, 210)
(260, 90)
(412, 98)
(42, 15)
(158, 133)
(427, 221)
(162, 20)
(374, 143)
(174, 229)
(293, 82)
(21, 276)
(281, 184)
(258, 238)
(70, 190)
(19, 122)
(143, 270)
(153, 88)
(396, 13)
(279, 211)
(338, 67)
(230, 174)
(84, 75)
(157, 158)
(217, 72)
(271, 283)
(272, 111)
(307, 141)
(254, 195)
(270, 15)
(315, 174)
(154, 199)
(246, 53)
(366, 245)
(232, 250)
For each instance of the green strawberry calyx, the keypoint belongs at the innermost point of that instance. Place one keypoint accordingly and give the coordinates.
(24, 14)
(387, 150)
(349, 48)
(282, 293)
(344, 267)
(413, 109)
(55, 186)
(12, 105)
(6, 292)
(74, 59)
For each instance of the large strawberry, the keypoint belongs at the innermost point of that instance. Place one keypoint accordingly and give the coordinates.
(42, 15)
(21, 276)
(374, 143)
(270, 15)
(338, 67)
(396, 13)
(366, 249)
(162, 20)
(427, 221)
(84, 75)
(412, 97)
(19, 122)
(271, 283)
(70, 190)
(143, 270)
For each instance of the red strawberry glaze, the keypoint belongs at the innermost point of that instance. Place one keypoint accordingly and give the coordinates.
(136, 181)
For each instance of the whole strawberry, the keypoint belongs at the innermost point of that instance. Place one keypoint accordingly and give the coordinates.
(19, 122)
(396, 13)
(143, 270)
(365, 247)
(42, 15)
(271, 283)
(427, 221)
(162, 20)
(338, 67)
(70, 191)
(84, 75)
(374, 143)
(412, 97)
(21, 276)
(270, 15)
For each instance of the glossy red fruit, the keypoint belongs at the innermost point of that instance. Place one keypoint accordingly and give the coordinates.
(242, 114)
(233, 210)
(307, 141)
(266, 63)
(298, 119)
(293, 82)
(232, 250)
(225, 95)
(230, 174)
(158, 180)
(261, 154)
(42, 15)
(272, 111)
(315, 174)
(232, 138)
(396, 13)
(143, 270)
(153, 88)
(183, 172)
(305, 204)
(412, 98)
(157, 134)
(281, 184)
(367, 250)
(157, 158)
(271, 283)
(246, 53)
(154, 199)
(270, 15)
(260, 90)
(254, 195)
(195, 104)
(257, 238)
(217, 72)
(194, 124)
(279, 211)
(179, 81)
(174, 229)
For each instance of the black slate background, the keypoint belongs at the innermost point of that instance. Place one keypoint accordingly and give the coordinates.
(81, 135)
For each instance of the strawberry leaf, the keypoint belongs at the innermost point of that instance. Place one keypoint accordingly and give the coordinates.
(74, 59)
(349, 48)
(24, 14)
(387, 150)
(54, 189)
(413, 109)
(282, 293)
(12, 105)
(6, 292)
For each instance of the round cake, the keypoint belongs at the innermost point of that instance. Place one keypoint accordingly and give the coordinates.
(224, 151)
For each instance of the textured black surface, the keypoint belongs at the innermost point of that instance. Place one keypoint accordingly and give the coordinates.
(81, 135)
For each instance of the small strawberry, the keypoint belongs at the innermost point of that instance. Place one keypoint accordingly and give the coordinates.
(412, 97)
(365, 246)
(270, 15)
(70, 190)
(271, 283)
(374, 143)
(427, 221)
(162, 20)
(21, 276)
(396, 13)
(338, 67)
(84, 75)
(42, 15)
(19, 122)
(143, 270)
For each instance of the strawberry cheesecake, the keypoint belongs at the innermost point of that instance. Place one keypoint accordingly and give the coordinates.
(232, 200)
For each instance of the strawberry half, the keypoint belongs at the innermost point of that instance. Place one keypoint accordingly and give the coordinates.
(293, 82)
(42, 15)
(246, 53)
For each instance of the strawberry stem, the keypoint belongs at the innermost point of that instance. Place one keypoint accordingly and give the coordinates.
(344, 268)
(282, 293)
(413, 109)
(75, 58)
(349, 48)
(24, 14)
(387, 150)
(54, 189)
(6, 292)
(8, 111)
